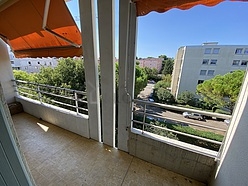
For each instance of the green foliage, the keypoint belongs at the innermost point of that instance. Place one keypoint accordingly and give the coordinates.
(140, 80)
(161, 94)
(167, 66)
(186, 98)
(222, 90)
(164, 96)
(24, 76)
(152, 74)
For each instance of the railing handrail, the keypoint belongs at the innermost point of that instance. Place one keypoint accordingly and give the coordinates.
(183, 109)
(144, 113)
(73, 94)
(50, 86)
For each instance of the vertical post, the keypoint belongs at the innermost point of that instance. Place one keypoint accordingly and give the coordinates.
(39, 94)
(127, 39)
(76, 101)
(87, 17)
(107, 63)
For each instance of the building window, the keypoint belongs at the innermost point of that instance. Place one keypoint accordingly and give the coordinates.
(25, 68)
(203, 72)
(238, 51)
(12, 62)
(213, 62)
(51, 63)
(246, 51)
(244, 63)
(38, 62)
(210, 72)
(29, 63)
(207, 51)
(205, 61)
(216, 51)
(235, 62)
(200, 81)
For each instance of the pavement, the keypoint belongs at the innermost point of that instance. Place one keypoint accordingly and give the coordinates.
(211, 125)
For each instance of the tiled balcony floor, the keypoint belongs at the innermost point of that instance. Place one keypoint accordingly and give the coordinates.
(58, 157)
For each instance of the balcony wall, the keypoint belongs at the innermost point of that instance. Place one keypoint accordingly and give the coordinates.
(173, 156)
(69, 120)
(6, 74)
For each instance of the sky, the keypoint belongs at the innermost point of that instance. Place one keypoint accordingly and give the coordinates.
(163, 33)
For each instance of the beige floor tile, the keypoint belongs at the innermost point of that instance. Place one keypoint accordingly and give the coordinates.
(59, 157)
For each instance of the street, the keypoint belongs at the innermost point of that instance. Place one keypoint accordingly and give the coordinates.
(210, 124)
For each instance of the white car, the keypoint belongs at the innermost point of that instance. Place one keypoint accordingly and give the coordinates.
(193, 116)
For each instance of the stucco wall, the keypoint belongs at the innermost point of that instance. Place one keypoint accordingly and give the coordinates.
(61, 117)
(188, 163)
(232, 167)
(6, 74)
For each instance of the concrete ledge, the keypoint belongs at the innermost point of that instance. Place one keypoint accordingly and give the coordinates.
(69, 120)
(172, 155)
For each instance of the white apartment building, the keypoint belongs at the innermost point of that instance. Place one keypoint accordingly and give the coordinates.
(31, 65)
(195, 64)
(151, 62)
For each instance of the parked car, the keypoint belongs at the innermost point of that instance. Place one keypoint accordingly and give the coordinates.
(193, 116)
(227, 121)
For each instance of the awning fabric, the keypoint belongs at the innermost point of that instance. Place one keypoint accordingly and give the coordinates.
(21, 27)
(146, 6)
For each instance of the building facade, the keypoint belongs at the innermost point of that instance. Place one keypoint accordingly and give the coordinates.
(195, 64)
(151, 62)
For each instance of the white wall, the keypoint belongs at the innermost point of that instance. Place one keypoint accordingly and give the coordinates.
(192, 64)
(6, 74)
(77, 123)
(232, 167)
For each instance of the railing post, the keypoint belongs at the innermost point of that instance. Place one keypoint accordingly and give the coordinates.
(144, 120)
(76, 101)
(39, 94)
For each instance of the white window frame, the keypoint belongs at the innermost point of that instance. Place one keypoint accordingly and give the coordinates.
(244, 62)
(238, 50)
(235, 62)
(205, 60)
(216, 50)
(203, 72)
(213, 61)
(207, 50)
(210, 74)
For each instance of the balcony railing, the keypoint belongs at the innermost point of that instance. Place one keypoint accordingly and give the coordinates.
(73, 100)
(148, 118)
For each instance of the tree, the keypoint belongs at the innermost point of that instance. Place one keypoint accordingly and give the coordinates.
(222, 90)
(152, 73)
(161, 94)
(164, 96)
(140, 80)
(168, 66)
(186, 98)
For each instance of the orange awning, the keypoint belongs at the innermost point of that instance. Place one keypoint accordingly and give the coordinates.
(146, 6)
(21, 27)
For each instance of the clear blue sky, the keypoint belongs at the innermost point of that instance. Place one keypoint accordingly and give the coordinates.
(164, 33)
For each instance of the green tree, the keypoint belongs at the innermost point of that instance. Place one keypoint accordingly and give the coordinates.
(22, 75)
(168, 66)
(222, 90)
(140, 80)
(164, 96)
(161, 92)
(68, 74)
(186, 98)
(152, 73)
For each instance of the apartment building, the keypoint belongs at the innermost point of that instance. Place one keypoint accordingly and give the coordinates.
(31, 65)
(195, 64)
(151, 62)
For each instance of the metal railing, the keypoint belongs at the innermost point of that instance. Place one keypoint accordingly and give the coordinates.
(73, 100)
(148, 117)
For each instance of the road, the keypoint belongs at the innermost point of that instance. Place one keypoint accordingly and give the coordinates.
(210, 124)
